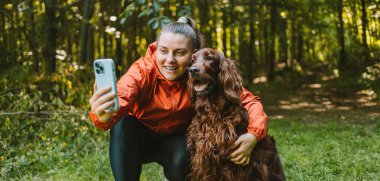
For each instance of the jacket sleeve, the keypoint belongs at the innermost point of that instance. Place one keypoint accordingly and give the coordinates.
(257, 124)
(128, 88)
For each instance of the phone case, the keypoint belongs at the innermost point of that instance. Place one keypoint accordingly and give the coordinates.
(105, 75)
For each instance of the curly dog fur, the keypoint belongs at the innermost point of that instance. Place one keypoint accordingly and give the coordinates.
(215, 87)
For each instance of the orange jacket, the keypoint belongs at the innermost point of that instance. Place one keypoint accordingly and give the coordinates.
(164, 106)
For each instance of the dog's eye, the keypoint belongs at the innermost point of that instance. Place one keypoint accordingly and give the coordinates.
(193, 58)
(209, 58)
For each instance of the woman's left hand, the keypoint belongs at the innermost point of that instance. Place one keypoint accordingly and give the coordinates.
(244, 146)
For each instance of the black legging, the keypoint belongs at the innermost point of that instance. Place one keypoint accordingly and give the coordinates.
(132, 144)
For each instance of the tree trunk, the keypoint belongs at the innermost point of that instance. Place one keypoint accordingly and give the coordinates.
(215, 24)
(252, 55)
(32, 40)
(119, 53)
(87, 14)
(204, 9)
(65, 32)
(342, 53)
(102, 31)
(243, 51)
(272, 37)
(4, 43)
(225, 24)
(266, 45)
(293, 45)
(300, 41)
(355, 28)
(283, 50)
(105, 42)
(51, 34)
(12, 46)
(232, 25)
(19, 46)
(364, 26)
(69, 46)
(90, 45)
(131, 36)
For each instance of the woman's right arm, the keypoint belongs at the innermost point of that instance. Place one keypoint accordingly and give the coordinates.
(128, 88)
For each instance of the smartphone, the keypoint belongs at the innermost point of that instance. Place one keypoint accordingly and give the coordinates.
(105, 76)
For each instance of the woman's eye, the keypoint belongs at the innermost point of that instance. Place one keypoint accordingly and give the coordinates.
(180, 53)
(163, 51)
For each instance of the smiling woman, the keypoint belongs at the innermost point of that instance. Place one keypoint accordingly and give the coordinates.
(156, 109)
(154, 106)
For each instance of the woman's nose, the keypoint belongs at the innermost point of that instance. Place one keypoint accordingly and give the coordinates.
(193, 70)
(170, 57)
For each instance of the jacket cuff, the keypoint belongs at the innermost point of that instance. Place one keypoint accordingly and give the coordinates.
(259, 133)
(101, 125)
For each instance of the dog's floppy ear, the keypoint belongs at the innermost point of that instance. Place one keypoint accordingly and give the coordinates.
(190, 90)
(230, 80)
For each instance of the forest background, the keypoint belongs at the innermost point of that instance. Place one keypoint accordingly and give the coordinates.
(315, 63)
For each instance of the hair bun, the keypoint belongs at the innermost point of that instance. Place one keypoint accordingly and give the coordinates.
(182, 20)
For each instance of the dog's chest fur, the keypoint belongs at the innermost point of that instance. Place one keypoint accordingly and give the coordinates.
(214, 134)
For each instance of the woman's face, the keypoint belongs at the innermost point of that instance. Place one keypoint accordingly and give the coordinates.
(173, 55)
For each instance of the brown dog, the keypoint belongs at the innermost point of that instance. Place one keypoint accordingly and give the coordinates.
(215, 87)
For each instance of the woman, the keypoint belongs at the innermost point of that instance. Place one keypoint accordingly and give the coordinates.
(155, 109)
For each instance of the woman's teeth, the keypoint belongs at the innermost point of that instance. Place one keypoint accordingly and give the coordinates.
(170, 68)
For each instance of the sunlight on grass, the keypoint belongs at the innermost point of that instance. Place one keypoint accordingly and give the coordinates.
(323, 149)
(328, 150)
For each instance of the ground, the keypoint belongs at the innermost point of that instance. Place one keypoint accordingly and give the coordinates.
(324, 132)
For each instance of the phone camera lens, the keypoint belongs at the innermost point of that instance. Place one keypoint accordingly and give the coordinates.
(97, 71)
(96, 65)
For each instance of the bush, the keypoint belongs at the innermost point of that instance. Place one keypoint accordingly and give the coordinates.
(371, 78)
(39, 129)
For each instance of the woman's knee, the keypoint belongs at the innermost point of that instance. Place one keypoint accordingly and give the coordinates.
(177, 164)
(177, 170)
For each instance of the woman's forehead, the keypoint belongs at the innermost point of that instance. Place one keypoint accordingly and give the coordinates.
(173, 41)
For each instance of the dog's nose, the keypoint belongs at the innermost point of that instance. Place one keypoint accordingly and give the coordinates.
(193, 70)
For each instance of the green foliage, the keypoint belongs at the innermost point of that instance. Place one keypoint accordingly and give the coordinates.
(159, 22)
(35, 135)
(43, 137)
(371, 78)
(149, 9)
(184, 10)
(38, 129)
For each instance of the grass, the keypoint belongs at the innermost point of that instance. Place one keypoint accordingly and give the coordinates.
(328, 149)
(321, 149)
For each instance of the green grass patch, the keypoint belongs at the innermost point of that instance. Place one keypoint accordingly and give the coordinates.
(310, 150)
(328, 149)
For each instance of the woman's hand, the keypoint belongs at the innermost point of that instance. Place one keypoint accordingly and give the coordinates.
(244, 146)
(100, 101)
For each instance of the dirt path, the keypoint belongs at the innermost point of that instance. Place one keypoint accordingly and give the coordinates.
(318, 96)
